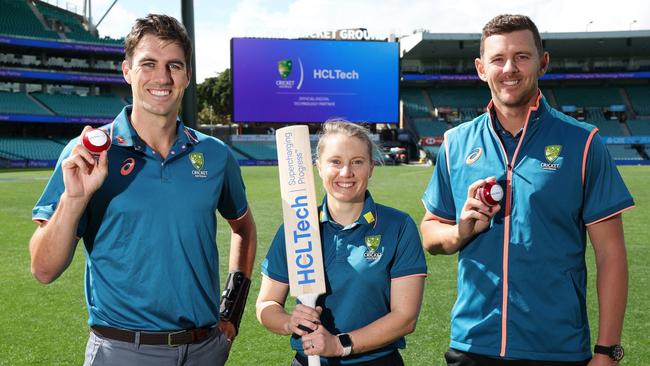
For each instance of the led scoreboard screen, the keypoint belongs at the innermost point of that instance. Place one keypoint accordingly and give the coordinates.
(285, 80)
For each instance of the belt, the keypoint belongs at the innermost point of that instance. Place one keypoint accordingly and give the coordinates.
(158, 338)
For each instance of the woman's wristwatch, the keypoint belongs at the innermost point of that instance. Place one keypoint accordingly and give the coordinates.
(346, 343)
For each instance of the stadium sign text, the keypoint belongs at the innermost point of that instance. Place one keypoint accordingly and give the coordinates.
(356, 34)
(335, 74)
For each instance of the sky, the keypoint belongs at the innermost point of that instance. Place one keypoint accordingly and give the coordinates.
(217, 21)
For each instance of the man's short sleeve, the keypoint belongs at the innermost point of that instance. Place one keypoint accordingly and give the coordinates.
(604, 189)
(274, 265)
(49, 200)
(438, 198)
(232, 202)
(409, 256)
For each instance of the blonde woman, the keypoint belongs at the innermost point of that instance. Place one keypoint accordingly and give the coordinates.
(374, 266)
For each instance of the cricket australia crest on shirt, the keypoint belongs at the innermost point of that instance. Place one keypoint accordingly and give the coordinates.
(552, 153)
(372, 243)
(197, 160)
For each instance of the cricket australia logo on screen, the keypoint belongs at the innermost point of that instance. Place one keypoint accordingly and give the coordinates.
(197, 160)
(372, 243)
(553, 160)
(287, 81)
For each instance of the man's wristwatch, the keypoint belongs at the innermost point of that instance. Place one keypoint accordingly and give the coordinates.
(614, 352)
(346, 342)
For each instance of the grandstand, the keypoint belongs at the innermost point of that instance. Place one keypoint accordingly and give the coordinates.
(56, 75)
(20, 103)
(256, 150)
(19, 20)
(639, 96)
(30, 148)
(76, 105)
(602, 78)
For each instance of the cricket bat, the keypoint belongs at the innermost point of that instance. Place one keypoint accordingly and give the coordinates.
(300, 215)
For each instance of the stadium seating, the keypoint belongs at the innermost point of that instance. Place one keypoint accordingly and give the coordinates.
(468, 114)
(640, 97)
(26, 148)
(608, 128)
(639, 127)
(16, 18)
(460, 97)
(594, 115)
(584, 96)
(75, 105)
(430, 127)
(623, 152)
(260, 150)
(76, 31)
(19, 103)
(239, 156)
(414, 102)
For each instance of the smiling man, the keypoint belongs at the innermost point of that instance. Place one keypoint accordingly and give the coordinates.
(146, 211)
(521, 264)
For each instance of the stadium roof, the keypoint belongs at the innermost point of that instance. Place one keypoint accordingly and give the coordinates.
(620, 44)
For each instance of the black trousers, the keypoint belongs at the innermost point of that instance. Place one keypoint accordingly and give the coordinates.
(455, 357)
(393, 359)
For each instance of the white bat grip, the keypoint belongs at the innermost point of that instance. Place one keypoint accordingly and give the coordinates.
(310, 300)
(314, 360)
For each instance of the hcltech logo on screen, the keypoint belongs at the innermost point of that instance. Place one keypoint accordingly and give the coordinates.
(335, 74)
(284, 69)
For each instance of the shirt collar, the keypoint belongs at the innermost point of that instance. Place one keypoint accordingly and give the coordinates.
(123, 134)
(536, 111)
(368, 214)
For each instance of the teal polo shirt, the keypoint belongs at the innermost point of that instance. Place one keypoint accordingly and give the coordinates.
(522, 283)
(149, 231)
(360, 261)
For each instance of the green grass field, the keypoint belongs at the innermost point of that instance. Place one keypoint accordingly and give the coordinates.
(46, 325)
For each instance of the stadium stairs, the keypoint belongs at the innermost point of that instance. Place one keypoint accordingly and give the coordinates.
(41, 104)
(18, 19)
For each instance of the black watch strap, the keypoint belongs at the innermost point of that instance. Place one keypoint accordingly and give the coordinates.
(614, 352)
(346, 343)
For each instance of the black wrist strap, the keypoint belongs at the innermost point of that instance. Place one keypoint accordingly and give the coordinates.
(602, 350)
(233, 298)
(615, 352)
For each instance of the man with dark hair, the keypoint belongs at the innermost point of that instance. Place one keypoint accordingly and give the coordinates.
(521, 263)
(146, 212)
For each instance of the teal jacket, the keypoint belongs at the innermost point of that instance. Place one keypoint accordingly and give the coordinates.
(522, 282)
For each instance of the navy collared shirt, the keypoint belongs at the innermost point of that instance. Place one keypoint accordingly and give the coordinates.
(360, 261)
(510, 142)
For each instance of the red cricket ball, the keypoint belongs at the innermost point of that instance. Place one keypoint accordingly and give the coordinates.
(490, 193)
(96, 141)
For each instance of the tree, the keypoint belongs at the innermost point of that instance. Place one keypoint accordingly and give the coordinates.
(215, 97)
